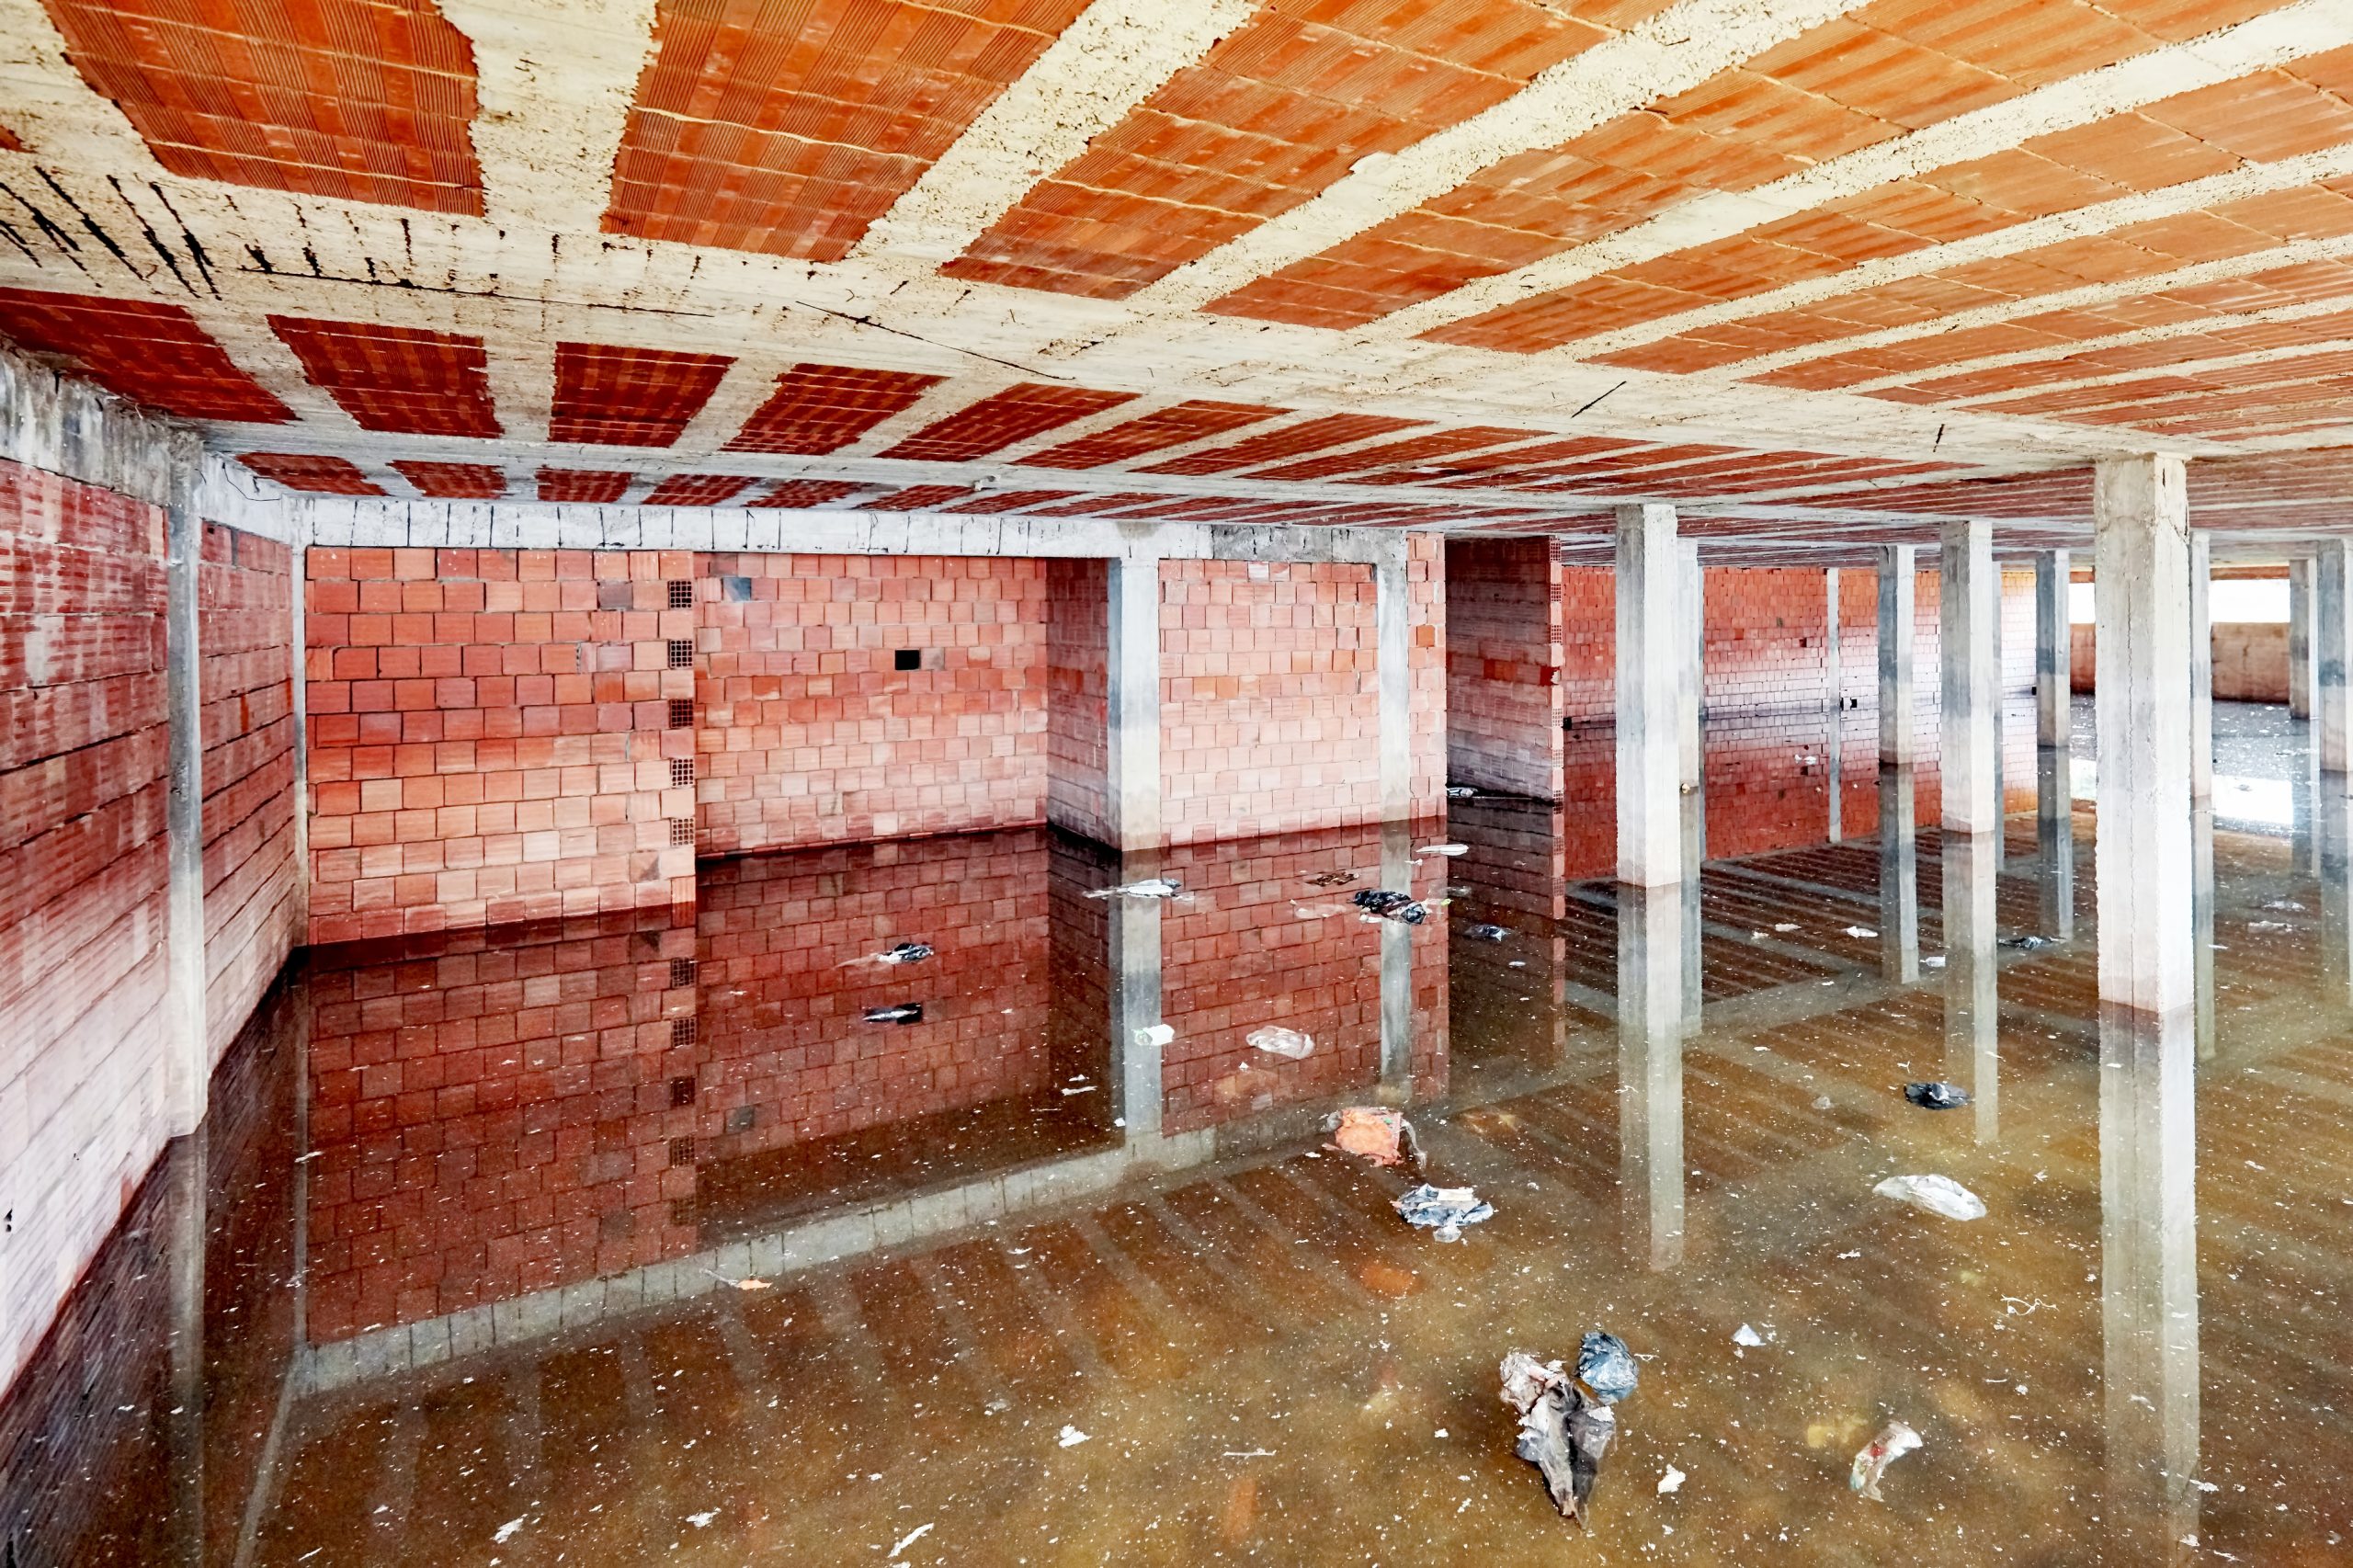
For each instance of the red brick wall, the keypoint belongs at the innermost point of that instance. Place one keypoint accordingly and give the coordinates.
(495, 1118)
(810, 736)
(1078, 659)
(1270, 707)
(491, 737)
(253, 913)
(786, 986)
(1503, 666)
(84, 754)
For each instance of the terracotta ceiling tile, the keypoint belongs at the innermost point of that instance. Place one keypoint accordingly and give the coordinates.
(587, 485)
(457, 481)
(145, 350)
(1014, 414)
(312, 472)
(615, 396)
(396, 378)
(822, 408)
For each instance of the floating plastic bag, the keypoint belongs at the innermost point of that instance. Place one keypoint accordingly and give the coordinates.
(1151, 887)
(1937, 1194)
(904, 1013)
(1444, 1210)
(1487, 933)
(905, 952)
(1565, 1423)
(1894, 1440)
(1391, 906)
(1937, 1096)
(1276, 1040)
(1443, 849)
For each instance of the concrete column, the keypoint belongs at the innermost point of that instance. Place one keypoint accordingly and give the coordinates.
(2054, 651)
(2300, 640)
(2331, 604)
(1393, 628)
(186, 1062)
(1132, 715)
(1898, 592)
(1691, 690)
(1649, 1071)
(2055, 743)
(2139, 513)
(1998, 720)
(2202, 668)
(1834, 704)
(301, 566)
(2201, 921)
(1972, 683)
(1695, 857)
(1973, 1052)
(2148, 1281)
(1650, 631)
(1899, 879)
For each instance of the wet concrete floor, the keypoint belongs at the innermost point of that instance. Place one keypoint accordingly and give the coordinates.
(618, 1243)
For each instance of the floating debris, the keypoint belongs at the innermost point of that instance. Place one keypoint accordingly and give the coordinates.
(1151, 887)
(1071, 1438)
(904, 1013)
(1487, 933)
(1376, 1133)
(1154, 1036)
(1391, 906)
(1894, 1440)
(1276, 1040)
(1566, 1423)
(1671, 1481)
(2029, 943)
(1861, 931)
(1937, 1096)
(1443, 849)
(909, 1539)
(1460, 792)
(1331, 879)
(1748, 1338)
(905, 952)
(1937, 1194)
(1444, 1210)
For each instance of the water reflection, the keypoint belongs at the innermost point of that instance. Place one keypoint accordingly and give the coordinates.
(1651, 1027)
(2054, 832)
(2149, 1280)
(1973, 1047)
(1899, 877)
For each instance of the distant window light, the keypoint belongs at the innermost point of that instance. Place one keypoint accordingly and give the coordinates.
(2234, 600)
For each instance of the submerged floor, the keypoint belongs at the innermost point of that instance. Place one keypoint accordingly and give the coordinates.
(529, 1214)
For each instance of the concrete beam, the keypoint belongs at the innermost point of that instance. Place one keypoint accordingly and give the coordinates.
(1650, 631)
(1966, 606)
(2139, 510)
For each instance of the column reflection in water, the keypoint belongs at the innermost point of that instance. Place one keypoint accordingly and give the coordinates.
(1972, 1041)
(1134, 966)
(2334, 838)
(1899, 879)
(2149, 1278)
(1650, 1070)
(1397, 963)
(2303, 828)
(2055, 841)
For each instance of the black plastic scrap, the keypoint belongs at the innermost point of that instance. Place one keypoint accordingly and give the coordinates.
(1487, 933)
(1391, 906)
(1566, 1422)
(1937, 1096)
(904, 1013)
(2029, 943)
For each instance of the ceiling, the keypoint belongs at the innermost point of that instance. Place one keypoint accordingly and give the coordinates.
(1815, 272)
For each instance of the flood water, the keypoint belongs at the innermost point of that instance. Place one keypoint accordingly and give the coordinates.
(623, 1241)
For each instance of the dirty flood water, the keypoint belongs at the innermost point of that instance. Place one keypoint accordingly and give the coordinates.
(618, 1242)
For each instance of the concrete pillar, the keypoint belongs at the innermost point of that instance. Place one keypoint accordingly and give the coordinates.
(1393, 628)
(1898, 592)
(2201, 668)
(1972, 680)
(1691, 690)
(301, 567)
(2148, 1281)
(1834, 704)
(2140, 514)
(2054, 651)
(2331, 604)
(1650, 659)
(1694, 857)
(2201, 921)
(1998, 720)
(1132, 709)
(1973, 1057)
(2300, 640)
(1899, 879)
(1649, 1071)
(186, 1051)
(2055, 743)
